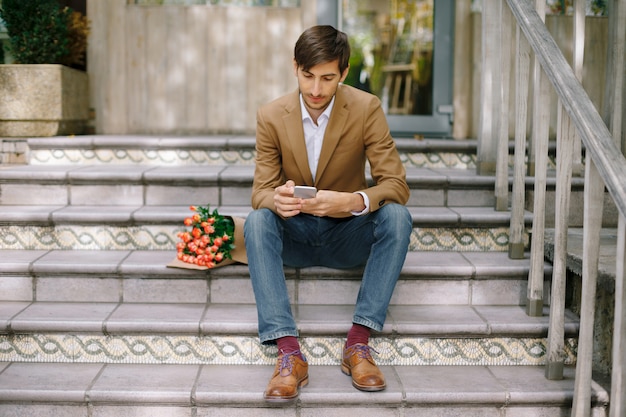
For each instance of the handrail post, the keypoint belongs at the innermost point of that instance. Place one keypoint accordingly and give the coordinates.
(580, 15)
(522, 74)
(618, 372)
(556, 332)
(566, 144)
(592, 222)
(490, 78)
(540, 133)
(502, 159)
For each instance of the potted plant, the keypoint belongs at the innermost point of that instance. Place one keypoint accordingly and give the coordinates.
(45, 92)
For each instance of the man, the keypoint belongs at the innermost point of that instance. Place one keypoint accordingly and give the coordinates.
(322, 135)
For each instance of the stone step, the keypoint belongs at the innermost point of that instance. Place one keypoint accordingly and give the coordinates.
(160, 185)
(217, 149)
(220, 149)
(220, 333)
(220, 184)
(427, 278)
(113, 390)
(92, 322)
(104, 227)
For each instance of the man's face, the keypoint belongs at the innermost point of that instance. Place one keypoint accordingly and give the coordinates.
(319, 84)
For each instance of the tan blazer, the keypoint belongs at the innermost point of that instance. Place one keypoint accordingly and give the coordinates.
(357, 131)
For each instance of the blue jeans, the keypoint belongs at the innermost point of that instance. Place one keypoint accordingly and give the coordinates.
(378, 240)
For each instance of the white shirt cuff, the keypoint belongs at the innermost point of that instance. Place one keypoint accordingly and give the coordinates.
(366, 200)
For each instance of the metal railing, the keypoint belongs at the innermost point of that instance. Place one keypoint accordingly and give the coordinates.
(605, 166)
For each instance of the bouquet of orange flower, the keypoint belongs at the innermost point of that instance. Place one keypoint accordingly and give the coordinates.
(211, 240)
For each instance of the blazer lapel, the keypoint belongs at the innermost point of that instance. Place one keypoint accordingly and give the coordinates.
(335, 127)
(295, 137)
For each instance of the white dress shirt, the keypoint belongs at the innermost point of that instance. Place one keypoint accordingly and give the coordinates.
(314, 138)
(314, 133)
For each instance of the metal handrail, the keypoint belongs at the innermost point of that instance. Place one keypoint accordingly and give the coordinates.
(596, 137)
(605, 166)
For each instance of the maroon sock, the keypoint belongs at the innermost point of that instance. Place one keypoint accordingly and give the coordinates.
(358, 334)
(289, 344)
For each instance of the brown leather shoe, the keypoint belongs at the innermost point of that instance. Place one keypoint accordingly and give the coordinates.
(290, 374)
(358, 362)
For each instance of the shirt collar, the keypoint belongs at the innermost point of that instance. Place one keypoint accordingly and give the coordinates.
(325, 113)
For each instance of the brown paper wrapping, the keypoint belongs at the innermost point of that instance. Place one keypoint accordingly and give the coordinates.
(238, 254)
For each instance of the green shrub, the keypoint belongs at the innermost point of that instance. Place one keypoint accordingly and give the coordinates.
(41, 32)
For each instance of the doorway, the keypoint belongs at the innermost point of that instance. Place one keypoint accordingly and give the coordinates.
(402, 53)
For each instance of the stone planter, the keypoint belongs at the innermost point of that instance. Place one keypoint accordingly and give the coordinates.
(43, 100)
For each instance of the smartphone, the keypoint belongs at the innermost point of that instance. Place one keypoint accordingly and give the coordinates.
(303, 191)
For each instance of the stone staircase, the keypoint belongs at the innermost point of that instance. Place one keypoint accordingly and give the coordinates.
(93, 323)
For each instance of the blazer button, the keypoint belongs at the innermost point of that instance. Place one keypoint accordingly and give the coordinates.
(381, 203)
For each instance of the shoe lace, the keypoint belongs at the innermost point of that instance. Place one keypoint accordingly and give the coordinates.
(286, 362)
(363, 351)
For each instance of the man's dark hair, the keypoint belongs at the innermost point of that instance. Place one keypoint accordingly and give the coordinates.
(321, 44)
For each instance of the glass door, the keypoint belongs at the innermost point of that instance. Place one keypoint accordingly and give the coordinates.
(401, 52)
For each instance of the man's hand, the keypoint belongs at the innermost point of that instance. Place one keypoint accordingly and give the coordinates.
(325, 203)
(333, 203)
(286, 204)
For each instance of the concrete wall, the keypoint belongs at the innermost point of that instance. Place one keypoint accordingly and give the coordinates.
(189, 69)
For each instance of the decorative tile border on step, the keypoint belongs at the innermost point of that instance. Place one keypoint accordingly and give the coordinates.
(461, 239)
(173, 157)
(438, 160)
(89, 237)
(167, 157)
(163, 237)
(233, 350)
(224, 149)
